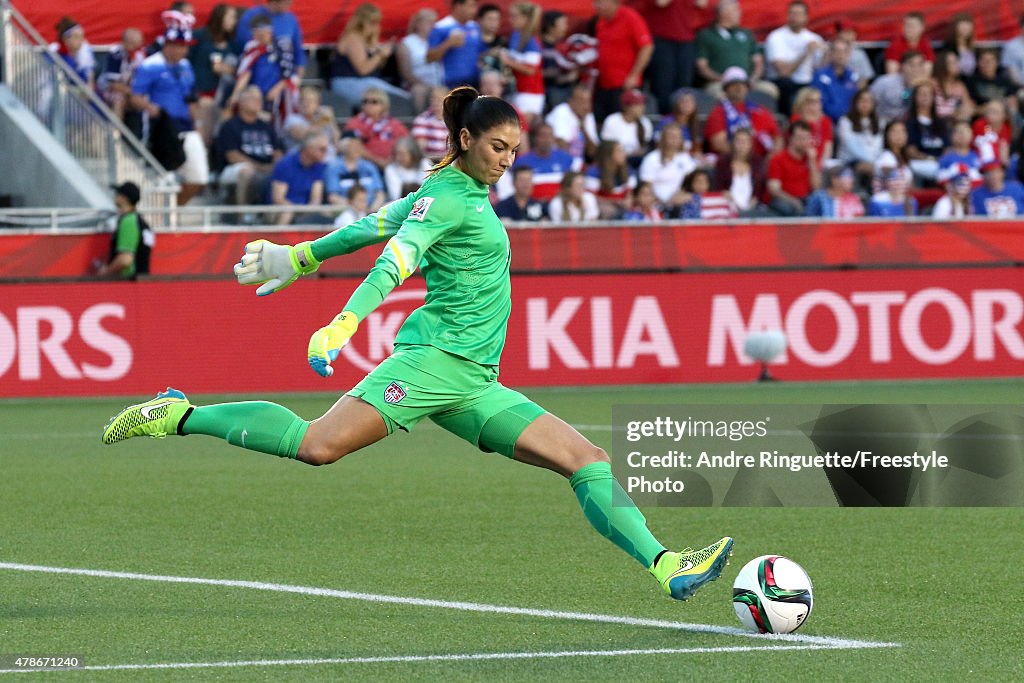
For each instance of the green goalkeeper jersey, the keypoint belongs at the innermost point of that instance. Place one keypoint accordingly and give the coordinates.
(452, 234)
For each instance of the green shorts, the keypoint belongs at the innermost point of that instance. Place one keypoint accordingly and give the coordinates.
(461, 396)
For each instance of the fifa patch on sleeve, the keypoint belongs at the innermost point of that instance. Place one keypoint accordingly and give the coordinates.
(393, 393)
(420, 208)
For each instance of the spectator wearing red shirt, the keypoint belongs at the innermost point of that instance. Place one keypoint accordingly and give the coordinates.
(377, 127)
(807, 106)
(992, 133)
(911, 40)
(736, 112)
(793, 172)
(673, 24)
(624, 48)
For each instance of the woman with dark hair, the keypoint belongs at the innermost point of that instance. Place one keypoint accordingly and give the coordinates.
(860, 134)
(895, 156)
(74, 50)
(684, 116)
(741, 174)
(927, 134)
(952, 99)
(611, 179)
(214, 60)
(703, 204)
(960, 40)
(445, 362)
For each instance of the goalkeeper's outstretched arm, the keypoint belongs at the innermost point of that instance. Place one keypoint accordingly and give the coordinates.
(274, 266)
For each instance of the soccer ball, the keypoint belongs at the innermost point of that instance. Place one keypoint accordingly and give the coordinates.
(772, 594)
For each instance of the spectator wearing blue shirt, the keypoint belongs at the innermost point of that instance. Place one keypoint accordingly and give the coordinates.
(261, 63)
(351, 168)
(456, 43)
(837, 199)
(836, 81)
(894, 199)
(163, 87)
(549, 164)
(298, 178)
(287, 33)
(961, 150)
(996, 197)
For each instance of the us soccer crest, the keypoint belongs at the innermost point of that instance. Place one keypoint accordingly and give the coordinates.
(394, 393)
(420, 208)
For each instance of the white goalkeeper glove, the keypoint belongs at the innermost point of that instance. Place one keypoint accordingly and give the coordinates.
(327, 342)
(274, 266)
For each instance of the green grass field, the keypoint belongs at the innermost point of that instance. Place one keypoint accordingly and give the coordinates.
(424, 515)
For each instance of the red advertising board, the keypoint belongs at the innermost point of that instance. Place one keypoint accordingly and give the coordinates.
(214, 336)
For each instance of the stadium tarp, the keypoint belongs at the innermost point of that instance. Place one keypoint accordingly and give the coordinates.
(322, 22)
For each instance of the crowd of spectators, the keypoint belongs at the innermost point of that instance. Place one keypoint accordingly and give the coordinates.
(646, 113)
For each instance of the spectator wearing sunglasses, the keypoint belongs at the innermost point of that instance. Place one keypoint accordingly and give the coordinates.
(377, 127)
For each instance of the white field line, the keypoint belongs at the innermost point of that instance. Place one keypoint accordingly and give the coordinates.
(473, 657)
(453, 605)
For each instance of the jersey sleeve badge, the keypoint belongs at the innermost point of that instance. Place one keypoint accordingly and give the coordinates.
(420, 208)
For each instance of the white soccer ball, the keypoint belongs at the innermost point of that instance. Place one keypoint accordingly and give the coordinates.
(772, 594)
(765, 346)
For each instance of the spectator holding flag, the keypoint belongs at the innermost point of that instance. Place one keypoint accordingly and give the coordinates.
(265, 65)
(287, 33)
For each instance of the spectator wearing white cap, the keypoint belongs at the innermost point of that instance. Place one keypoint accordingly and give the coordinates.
(735, 112)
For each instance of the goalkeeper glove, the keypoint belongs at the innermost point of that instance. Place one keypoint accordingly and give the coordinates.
(327, 342)
(274, 266)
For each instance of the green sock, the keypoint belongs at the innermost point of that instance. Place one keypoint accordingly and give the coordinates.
(622, 523)
(256, 425)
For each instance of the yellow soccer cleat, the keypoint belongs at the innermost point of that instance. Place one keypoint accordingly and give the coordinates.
(681, 574)
(157, 418)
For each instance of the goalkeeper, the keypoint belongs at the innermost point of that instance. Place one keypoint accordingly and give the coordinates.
(445, 363)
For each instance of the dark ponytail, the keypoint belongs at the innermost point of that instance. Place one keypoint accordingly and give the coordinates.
(464, 107)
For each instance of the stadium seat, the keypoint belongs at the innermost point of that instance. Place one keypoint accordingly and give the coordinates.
(340, 105)
(705, 102)
(764, 99)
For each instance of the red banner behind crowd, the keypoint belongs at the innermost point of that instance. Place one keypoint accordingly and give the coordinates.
(135, 338)
(322, 22)
(567, 248)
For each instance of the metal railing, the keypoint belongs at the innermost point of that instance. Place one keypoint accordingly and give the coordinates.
(76, 116)
(261, 218)
(191, 218)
